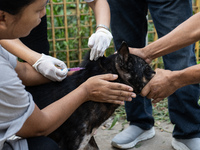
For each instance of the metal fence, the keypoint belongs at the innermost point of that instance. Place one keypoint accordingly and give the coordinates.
(71, 22)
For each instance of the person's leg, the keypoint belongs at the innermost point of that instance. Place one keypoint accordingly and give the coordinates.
(183, 104)
(42, 143)
(129, 24)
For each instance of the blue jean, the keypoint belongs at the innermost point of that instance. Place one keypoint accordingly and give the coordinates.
(129, 23)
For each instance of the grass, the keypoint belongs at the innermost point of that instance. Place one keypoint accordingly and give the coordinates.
(160, 111)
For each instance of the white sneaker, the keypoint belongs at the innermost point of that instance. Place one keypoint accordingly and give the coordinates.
(186, 144)
(129, 137)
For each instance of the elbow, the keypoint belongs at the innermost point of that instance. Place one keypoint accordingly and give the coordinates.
(33, 128)
(42, 130)
(36, 132)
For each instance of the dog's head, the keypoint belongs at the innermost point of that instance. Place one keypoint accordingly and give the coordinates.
(133, 70)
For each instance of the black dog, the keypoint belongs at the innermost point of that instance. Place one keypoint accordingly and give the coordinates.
(76, 132)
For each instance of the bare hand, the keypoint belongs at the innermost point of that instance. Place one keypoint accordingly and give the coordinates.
(161, 86)
(99, 89)
(139, 52)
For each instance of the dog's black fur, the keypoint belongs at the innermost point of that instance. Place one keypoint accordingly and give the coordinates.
(132, 71)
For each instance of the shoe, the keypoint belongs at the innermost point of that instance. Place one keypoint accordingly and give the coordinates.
(129, 137)
(186, 144)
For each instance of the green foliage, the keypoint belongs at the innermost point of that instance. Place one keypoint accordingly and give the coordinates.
(75, 36)
(119, 114)
(116, 118)
(160, 111)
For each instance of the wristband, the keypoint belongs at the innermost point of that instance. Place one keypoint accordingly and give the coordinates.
(103, 26)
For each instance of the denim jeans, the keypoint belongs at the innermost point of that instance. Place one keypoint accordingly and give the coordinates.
(129, 23)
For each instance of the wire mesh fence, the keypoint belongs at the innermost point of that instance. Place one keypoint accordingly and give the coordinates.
(70, 24)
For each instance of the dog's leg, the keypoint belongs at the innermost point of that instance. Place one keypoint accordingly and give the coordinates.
(92, 145)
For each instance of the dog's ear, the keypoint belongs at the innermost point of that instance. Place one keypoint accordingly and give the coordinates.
(123, 51)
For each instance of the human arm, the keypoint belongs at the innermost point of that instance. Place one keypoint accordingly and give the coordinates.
(28, 75)
(42, 63)
(166, 82)
(96, 88)
(101, 11)
(17, 48)
(100, 40)
(185, 34)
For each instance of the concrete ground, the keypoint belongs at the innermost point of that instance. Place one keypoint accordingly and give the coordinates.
(161, 141)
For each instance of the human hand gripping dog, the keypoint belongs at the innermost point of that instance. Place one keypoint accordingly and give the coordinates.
(99, 89)
(162, 85)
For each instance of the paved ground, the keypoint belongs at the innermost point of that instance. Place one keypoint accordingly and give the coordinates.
(161, 141)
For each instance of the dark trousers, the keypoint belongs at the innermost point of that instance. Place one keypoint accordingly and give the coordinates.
(37, 39)
(42, 143)
(129, 23)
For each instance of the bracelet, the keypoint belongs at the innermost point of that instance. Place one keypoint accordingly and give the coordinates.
(103, 26)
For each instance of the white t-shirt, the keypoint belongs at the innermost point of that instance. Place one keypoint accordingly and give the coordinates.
(16, 104)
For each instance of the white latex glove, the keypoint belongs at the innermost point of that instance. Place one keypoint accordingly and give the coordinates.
(46, 65)
(99, 42)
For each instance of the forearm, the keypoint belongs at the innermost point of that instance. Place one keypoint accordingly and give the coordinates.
(166, 82)
(102, 12)
(185, 34)
(17, 48)
(188, 76)
(29, 75)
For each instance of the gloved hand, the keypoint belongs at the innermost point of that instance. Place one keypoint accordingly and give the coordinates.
(46, 65)
(99, 42)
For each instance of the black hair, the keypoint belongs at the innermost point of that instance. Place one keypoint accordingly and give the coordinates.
(14, 6)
